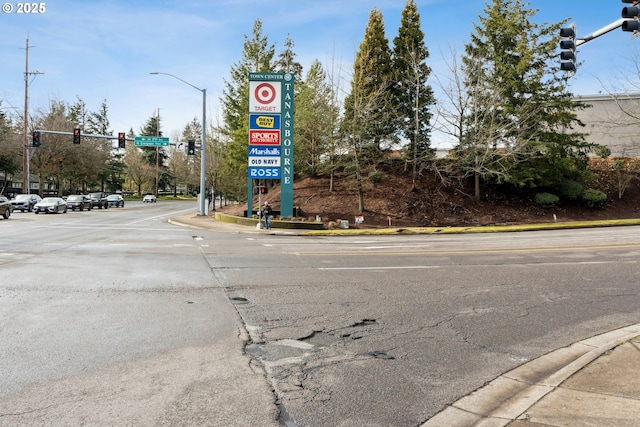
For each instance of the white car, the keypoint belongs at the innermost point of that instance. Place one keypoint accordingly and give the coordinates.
(51, 205)
(149, 198)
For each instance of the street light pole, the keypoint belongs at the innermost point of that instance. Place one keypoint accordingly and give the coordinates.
(203, 148)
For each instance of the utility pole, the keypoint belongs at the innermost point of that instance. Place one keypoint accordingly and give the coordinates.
(26, 179)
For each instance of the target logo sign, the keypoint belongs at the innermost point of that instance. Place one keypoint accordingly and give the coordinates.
(264, 97)
(265, 93)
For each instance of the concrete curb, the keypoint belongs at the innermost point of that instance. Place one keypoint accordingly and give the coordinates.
(511, 395)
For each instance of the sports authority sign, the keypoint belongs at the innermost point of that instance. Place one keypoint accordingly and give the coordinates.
(264, 137)
(271, 135)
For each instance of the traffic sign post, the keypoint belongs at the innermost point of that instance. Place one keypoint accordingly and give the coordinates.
(151, 141)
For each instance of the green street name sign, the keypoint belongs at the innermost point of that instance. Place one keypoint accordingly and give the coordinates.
(151, 141)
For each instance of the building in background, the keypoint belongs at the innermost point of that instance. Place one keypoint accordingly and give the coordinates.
(614, 121)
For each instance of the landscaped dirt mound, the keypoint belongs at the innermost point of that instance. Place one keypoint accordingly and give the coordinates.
(436, 201)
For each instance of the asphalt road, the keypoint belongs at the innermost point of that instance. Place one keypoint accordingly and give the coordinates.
(113, 317)
(386, 330)
(117, 316)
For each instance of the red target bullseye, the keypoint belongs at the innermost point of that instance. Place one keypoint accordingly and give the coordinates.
(265, 93)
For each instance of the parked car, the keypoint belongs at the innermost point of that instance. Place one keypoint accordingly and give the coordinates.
(149, 198)
(115, 200)
(98, 200)
(78, 201)
(51, 205)
(25, 202)
(5, 207)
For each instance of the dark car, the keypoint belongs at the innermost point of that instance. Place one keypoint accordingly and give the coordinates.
(79, 201)
(25, 202)
(5, 207)
(98, 200)
(115, 200)
(51, 205)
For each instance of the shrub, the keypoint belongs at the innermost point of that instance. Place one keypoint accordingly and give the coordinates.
(350, 169)
(375, 176)
(547, 200)
(594, 198)
(571, 190)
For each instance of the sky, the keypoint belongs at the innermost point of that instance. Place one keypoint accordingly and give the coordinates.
(104, 50)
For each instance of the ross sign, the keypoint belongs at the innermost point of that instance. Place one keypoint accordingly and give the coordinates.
(264, 137)
(151, 141)
(256, 172)
(264, 121)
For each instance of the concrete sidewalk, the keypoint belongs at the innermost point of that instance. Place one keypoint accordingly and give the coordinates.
(594, 382)
(590, 383)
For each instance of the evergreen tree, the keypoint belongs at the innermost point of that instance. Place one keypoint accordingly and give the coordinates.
(155, 156)
(287, 63)
(413, 96)
(513, 62)
(257, 56)
(97, 122)
(314, 119)
(372, 79)
(368, 112)
(188, 167)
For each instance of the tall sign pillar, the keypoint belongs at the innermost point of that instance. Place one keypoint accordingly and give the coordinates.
(271, 135)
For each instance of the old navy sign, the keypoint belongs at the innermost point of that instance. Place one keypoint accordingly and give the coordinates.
(264, 121)
(257, 151)
(257, 172)
(264, 161)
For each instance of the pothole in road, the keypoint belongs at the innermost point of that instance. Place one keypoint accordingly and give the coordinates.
(324, 338)
(380, 355)
(239, 300)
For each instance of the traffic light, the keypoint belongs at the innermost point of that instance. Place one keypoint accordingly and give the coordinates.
(568, 56)
(260, 189)
(76, 136)
(121, 140)
(35, 136)
(631, 14)
(191, 147)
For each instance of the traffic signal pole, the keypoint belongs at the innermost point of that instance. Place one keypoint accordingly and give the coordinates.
(602, 31)
(570, 41)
